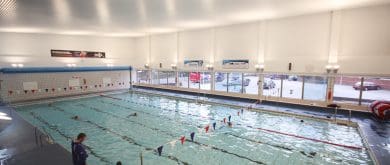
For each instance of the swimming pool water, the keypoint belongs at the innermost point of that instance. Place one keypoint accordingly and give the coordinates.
(255, 138)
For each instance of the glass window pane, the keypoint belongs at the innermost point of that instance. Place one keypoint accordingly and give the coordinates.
(375, 88)
(220, 81)
(345, 90)
(235, 82)
(172, 78)
(250, 83)
(183, 79)
(143, 76)
(205, 81)
(162, 75)
(272, 85)
(155, 77)
(292, 86)
(315, 88)
(194, 80)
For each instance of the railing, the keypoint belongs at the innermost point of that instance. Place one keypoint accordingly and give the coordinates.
(40, 136)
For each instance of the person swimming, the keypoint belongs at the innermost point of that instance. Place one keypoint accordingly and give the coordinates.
(133, 114)
(75, 117)
(230, 124)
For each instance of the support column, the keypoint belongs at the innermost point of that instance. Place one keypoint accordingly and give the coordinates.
(212, 82)
(330, 88)
(260, 83)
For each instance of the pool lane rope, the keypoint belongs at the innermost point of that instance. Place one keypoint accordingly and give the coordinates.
(123, 137)
(172, 135)
(263, 129)
(310, 154)
(90, 149)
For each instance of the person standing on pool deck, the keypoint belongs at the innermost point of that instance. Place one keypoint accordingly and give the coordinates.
(79, 155)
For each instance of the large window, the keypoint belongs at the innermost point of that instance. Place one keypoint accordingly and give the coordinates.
(250, 83)
(205, 81)
(143, 76)
(347, 89)
(315, 88)
(194, 78)
(292, 86)
(171, 78)
(163, 77)
(272, 85)
(375, 88)
(235, 82)
(155, 79)
(220, 81)
(183, 79)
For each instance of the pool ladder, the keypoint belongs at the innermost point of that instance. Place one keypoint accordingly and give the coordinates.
(39, 137)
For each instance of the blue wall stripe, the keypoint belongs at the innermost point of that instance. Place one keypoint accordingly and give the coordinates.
(62, 69)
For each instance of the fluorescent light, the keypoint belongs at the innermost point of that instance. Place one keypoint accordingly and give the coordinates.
(5, 118)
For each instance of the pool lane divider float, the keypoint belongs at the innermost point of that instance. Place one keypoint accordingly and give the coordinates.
(67, 137)
(123, 137)
(262, 129)
(207, 128)
(172, 135)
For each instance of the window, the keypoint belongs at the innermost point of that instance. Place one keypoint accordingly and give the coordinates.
(171, 78)
(272, 85)
(221, 81)
(155, 77)
(194, 79)
(250, 83)
(143, 76)
(375, 88)
(347, 89)
(205, 81)
(183, 79)
(315, 88)
(292, 86)
(235, 82)
(163, 77)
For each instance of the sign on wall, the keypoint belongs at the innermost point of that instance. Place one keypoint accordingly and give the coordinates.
(106, 80)
(30, 85)
(74, 82)
(235, 64)
(193, 63)
(76, 53)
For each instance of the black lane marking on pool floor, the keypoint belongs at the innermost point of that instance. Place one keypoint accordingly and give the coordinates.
(159, 107)
(182, 122)
(123, 137)
(173, 136)
(90, 149)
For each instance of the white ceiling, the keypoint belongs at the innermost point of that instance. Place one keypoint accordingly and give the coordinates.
(140, 17)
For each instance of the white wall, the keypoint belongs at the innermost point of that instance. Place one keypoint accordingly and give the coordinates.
(34, 49)
(360, 43)
(358, 39)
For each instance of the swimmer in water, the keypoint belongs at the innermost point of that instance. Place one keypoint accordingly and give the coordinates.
(301, 121)
(75, 117)
(133, 114)
(230, 124)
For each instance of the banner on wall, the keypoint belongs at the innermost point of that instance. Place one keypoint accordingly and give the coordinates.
(235, 64)
(74, 82)
(30, 85)
(193, 63)
(76, 53)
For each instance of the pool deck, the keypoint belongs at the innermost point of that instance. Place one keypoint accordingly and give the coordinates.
(376, 133)
(18, 144)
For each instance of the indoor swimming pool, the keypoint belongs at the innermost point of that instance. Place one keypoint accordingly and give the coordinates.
(114, 134)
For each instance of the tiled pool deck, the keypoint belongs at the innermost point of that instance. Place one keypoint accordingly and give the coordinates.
(18, 144)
